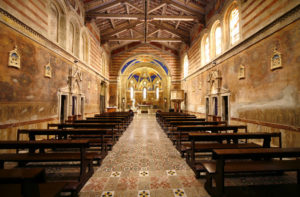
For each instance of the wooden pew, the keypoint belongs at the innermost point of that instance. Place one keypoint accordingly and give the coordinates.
(174, 124)
(124, 120)
(167, 121)
(85, 126)
(27, 182)
(164, 119)
(102, 137)
(121, 124)
(231, 142)
(182, 131)
(240, 163)
(85, 159)
(116, 114)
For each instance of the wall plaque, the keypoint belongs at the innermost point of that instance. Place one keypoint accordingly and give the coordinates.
(276, 60)
(48, 70)
(14, 59)
(241, 72)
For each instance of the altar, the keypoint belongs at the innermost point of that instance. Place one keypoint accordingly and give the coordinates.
(145, 109)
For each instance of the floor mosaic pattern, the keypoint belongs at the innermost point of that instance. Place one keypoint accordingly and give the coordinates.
(145, 163)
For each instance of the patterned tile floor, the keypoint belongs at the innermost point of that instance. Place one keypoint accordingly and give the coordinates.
(145, 163)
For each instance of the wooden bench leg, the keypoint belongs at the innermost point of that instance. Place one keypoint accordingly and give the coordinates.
(208, 183)
(30, 189)
(1, 164)
(298, 177)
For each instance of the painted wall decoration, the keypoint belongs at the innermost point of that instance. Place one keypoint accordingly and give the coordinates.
(276, 60)
(145, 59)
(241, 74)
(14, 58)
(48, 70)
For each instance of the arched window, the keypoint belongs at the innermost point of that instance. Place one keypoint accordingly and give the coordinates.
(53, 23)
(144, 93)
(157, 93)
(131, 93)
(71, 37)
(84, 48)
(206, 50)
(104, 62)
(218, 40)
(185, 66)
(234, 26)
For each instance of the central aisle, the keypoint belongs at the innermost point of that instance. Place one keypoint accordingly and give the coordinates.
(144, 161)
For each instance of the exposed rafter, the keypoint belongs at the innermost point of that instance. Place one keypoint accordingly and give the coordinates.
(172, 30)
(120, 29)
(168, 22)
(105, 6)
(184, 8)
(141, 17)
(157, 8)
(133, 6)
(149, 39)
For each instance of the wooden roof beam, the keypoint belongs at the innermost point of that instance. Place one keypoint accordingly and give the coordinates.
(120, 29)
(151, 33)
(164, 40)
(184, 8)
(105, 7)
(112, 39)
(157, 8)
(133, 6)
(142, 17)
(172, 30)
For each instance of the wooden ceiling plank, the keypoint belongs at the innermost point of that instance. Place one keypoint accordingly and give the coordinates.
(140, 33)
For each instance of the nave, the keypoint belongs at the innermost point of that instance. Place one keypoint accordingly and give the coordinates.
(144, 161)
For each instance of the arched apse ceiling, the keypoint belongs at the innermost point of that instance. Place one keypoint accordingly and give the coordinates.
(145, 59)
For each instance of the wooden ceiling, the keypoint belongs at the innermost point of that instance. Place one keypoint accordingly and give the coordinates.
(168, 22)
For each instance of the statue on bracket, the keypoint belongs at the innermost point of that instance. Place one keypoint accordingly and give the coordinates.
(276, 59)
(14, 59)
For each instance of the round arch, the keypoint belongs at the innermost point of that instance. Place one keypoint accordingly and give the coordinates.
(135, 64)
